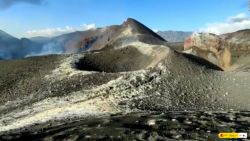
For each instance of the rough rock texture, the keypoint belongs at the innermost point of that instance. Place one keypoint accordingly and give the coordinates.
(229, 51)
(210, 47)
(239, 37)
(239, 44)
(135, 72)
(176, 82)
(139, 126)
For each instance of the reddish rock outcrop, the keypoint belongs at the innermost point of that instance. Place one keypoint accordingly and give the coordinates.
(210, 47)
(229, 51)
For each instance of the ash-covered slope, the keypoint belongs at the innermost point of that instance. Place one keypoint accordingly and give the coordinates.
(239, 45)
(239, 37)
(133, 72)
(144, 33)
(96, 39)
(133, 78)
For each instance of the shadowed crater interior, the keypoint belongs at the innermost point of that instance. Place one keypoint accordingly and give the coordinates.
(202, 62)
(113, 61)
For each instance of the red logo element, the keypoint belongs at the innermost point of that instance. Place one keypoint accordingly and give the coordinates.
(221, 135)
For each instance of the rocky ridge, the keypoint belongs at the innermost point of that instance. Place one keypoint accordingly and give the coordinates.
(134, 72)
(229, 51)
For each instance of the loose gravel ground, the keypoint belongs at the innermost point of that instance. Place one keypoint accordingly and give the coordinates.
(139, 126)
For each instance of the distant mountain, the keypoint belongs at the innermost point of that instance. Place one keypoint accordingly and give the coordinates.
(100, 38)
(174, 36)
(6, 37)
(40, 39)
(8, 45)
(95, 39)
(14, 48)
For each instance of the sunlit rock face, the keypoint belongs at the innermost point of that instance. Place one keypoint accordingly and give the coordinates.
(240, 37)
(229, 51)
(210, 47)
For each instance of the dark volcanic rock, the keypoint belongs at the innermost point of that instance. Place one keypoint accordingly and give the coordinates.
(133, 72)
(61, 89)
(139, 126)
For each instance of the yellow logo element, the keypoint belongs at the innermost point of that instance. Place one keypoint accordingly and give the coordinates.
(232, 135)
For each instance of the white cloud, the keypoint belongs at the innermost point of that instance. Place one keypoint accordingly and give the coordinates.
(232, 24)
(155, 30)
(50, 32)
(88, 26)
(238, 18)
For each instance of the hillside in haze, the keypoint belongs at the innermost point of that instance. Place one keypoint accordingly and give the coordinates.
(14, 48)
(74, 42)
(174, 36)
(9, 46)
(103, 38)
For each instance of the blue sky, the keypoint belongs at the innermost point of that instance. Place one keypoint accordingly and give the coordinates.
(19, 17)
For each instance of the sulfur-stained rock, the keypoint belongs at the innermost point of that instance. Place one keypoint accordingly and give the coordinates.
(229, 51)
(210, 47)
